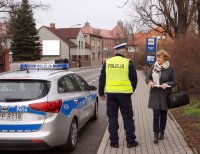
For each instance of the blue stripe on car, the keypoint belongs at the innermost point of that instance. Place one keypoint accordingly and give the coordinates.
(15, 141)
(69, 105)
(22, 109)
(23, 127)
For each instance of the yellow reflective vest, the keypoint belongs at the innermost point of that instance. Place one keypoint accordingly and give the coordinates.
(117, 75)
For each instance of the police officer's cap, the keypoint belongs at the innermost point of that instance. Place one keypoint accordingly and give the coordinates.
(121, 46)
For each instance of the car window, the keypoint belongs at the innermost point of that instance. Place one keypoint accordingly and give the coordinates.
(70, 84)
(22, 90)
(62, 86)
(81, 82)
(66, 84)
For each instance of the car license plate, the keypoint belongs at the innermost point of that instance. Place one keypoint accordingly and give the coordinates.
(11, 116)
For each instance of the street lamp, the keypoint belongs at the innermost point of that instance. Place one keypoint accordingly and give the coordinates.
(75, 25)
(69, 61)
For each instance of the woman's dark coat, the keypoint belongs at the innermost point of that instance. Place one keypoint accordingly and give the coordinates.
(157, 97)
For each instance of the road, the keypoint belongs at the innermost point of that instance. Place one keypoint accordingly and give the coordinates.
(90, 136)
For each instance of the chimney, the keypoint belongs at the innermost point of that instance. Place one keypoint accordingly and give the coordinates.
(52, 25)
(87, 24)
(120, 23)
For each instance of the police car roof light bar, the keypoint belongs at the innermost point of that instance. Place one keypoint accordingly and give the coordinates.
(44, 66)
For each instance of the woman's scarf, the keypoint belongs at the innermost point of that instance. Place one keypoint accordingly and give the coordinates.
(157, 71)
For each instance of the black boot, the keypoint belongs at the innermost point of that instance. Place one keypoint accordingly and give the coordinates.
(161, 135)
(155, 140)
(114, 145)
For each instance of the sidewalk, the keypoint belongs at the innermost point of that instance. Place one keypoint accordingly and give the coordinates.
(173, 143)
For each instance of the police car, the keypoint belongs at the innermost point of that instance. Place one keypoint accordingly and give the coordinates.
(44, 106)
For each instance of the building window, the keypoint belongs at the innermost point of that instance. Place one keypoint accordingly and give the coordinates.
(73, 58)
(81, 44)
(86, 58)
(93, 42)
(99, 55)
(108, 54)
(98, 43)
(159, 37)
(163, 37)
(93, 56)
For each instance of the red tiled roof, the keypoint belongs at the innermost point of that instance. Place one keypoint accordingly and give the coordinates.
(69, 33)
(96, 32)
(157, 30)
(107, 33)
(87, 46)
(87, 29)
(61, 36)
(140, 38)
(116, 32)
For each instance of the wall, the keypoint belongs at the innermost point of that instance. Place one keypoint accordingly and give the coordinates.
(96, 59)
(45, 34)
(80, 52)
(4, 61)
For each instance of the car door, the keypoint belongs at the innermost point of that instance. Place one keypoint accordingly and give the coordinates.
(84, 96)
(71, 91)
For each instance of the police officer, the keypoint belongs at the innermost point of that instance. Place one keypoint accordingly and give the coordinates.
(119, 79)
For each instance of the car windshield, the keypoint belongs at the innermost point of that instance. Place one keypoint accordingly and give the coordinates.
(23, 90)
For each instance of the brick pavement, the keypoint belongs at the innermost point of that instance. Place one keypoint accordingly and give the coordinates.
(173, 143)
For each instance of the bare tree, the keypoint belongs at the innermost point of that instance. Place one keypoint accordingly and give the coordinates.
(8, 8)
(125, 3)
(174, 16)
(3, 5)
(129, 31)
(8, 5)
(8, 11)
(198, 16)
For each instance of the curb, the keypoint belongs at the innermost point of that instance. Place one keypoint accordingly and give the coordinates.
(79, 68)
(180, 129)
(104, 142)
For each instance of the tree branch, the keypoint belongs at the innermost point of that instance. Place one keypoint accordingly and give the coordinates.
(123, 4)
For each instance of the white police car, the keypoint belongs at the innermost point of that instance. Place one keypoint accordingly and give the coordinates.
(43, 108)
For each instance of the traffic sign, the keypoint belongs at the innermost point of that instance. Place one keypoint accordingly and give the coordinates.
(150, 59)
(151, 44)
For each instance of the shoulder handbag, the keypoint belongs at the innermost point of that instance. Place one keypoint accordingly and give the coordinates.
(178, 98)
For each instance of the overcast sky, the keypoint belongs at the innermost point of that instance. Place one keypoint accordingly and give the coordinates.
(66, 13)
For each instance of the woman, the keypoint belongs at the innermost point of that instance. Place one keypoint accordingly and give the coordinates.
(161, 78)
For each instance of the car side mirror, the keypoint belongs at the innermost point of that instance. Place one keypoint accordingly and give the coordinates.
(92, 88)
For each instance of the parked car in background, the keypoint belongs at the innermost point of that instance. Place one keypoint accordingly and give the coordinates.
(44, 106)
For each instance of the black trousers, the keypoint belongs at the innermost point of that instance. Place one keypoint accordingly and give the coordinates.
(122, 101)
(159, 120)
